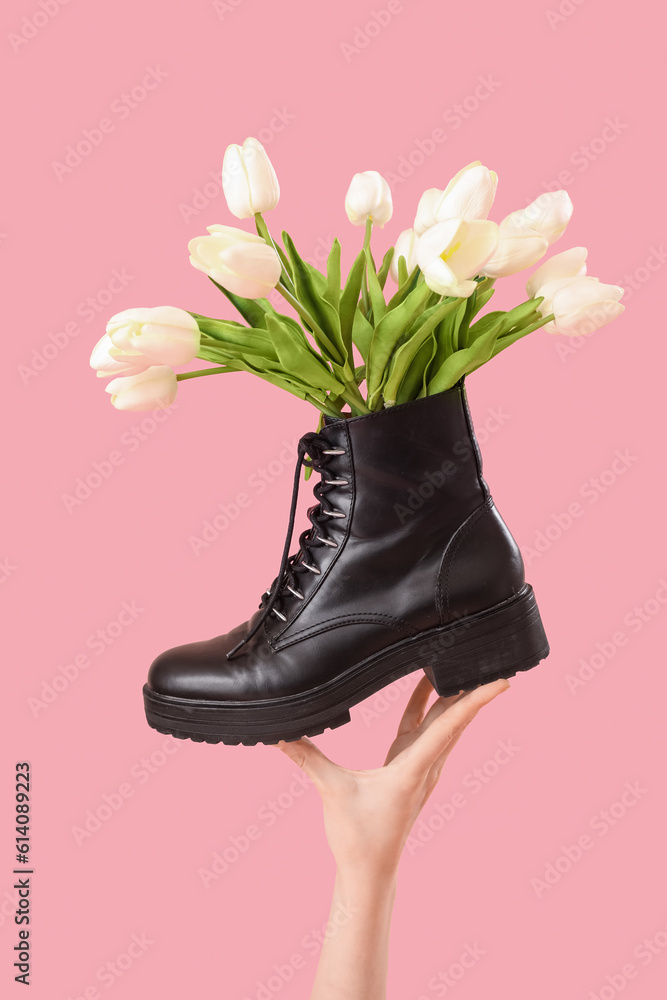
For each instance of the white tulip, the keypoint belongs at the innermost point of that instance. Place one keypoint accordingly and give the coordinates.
(580, 305)
(568, 264)
(452, 252)
(108, 360)
(517, 249)
(149, 390)
(165, 335)
(469, 195)
(406, 246)
(549, 214)
(241, 262)
(249, 181)
(428, 203)
(368, 197)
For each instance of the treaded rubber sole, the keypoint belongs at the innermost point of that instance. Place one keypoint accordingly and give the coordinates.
(492, 644)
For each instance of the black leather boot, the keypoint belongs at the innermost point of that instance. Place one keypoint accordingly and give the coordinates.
(408, 565)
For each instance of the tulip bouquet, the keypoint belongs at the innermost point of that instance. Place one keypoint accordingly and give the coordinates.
(346, 345)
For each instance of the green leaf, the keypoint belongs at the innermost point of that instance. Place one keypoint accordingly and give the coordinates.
(405, 288)
(384, 267)
(362, 334)
(378, 304)
(444, 334)
(389, 331)
(512, 337)
(482, 297)
(521, 312)
(482, 325)
(408, 355)
(332, 293)
(413, 384)
(234, 335)
(298, 358)
(433, 343)
(402, 271)
(521, 315)
(460, 339)
(465, 360)
(263, 231)
(252, 310)
(349, 301)
(311, 287)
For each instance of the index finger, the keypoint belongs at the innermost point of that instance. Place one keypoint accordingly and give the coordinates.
(430, 744)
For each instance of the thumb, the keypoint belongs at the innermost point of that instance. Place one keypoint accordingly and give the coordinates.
(309, 758)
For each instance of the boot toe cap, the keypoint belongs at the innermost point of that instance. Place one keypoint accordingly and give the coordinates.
(191, 671)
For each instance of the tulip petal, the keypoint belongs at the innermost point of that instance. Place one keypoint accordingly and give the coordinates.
(582, 304)
(406, 247)
(425, 217)
(152, 389)
(567, 264)
(471, 197)
(107, 360)
(261, 177)
(588, 318)
(436, 239)
(249, 181)
(368, 196)
(232, 235)
(517, 249)
(480, 240)
(167, 345)
(441, 279)
(549, 214)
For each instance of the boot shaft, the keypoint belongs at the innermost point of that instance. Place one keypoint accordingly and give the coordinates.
(411, 537)
(417, 464)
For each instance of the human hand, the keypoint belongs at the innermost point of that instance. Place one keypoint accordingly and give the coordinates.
(368, 814)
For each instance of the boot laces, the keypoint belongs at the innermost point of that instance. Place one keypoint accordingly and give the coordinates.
(315, 446)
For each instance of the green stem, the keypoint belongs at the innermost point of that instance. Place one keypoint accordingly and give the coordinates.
(354, 398)
(329, 410)
(205, 371)
(263, 231)
(528, 328)
(209, 341)
(365, 299)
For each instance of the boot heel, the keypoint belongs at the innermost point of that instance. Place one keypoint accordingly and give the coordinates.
(484, 647)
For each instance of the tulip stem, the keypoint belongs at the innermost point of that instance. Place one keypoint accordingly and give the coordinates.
(205, 371)
(353, 396)
(364, 281)
(263, 231)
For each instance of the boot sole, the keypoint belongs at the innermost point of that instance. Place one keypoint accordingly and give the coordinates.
(484, 647)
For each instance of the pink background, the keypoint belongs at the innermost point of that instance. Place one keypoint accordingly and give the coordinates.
(299, 75)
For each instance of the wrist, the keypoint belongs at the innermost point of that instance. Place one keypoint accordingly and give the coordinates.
(366, 883)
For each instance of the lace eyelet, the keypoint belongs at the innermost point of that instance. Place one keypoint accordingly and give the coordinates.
(333, 513)
(333, 451)
(327, 541)
(313, 569)
(336, 482)
(297, 593)
(278, 614)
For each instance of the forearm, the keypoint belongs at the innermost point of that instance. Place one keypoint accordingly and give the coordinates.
(353, 962)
